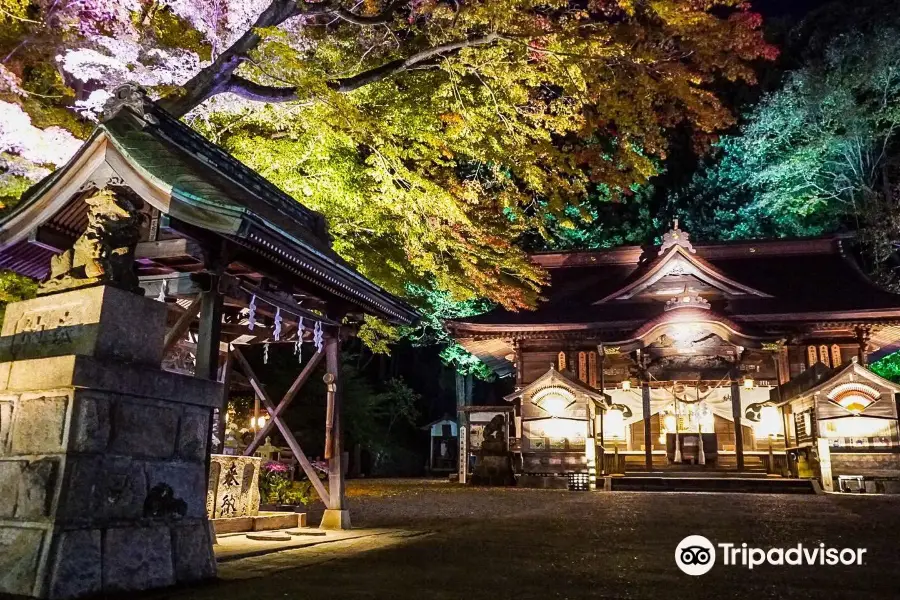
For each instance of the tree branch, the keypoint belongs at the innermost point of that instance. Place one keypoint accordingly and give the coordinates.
(256, 92)
(218, 77)
(248, 90)
(395, 67)
(385, 16)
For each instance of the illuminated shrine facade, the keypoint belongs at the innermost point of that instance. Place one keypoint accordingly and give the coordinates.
(739, 356)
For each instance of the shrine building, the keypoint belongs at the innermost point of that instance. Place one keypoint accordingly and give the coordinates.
(744, 357)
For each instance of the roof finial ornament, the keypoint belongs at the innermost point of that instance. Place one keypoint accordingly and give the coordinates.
(131, 96)
(676, 237)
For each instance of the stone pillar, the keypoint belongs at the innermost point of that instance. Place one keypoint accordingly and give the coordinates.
(102, 453)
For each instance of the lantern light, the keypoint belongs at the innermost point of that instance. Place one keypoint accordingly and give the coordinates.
(261, 422)
(626, 385)
(614, 423)
(669, 423)
(748, 383)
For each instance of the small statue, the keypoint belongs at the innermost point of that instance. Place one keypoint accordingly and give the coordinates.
(105, 251)
(495, 430)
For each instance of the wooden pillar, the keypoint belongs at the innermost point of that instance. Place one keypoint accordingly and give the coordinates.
(430, 452)
(863, 335)
(736, 415)
(648, 436)
(336, 514)
(227, 370)
(517, 351)
(210, 331)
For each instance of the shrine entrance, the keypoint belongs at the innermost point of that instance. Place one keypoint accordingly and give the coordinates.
(694, 393)
(691, 427)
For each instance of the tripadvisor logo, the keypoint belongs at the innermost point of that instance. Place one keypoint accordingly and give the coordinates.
(696, 555)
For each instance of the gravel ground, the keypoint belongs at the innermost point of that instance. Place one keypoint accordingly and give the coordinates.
(516, 543)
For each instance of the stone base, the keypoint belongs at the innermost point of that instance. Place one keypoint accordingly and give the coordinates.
(264, 521)
(335, 519)
(102, 454)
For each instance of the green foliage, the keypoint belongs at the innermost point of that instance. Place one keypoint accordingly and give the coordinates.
(372, 416)
(437, 308)
(812, 155)
(602, 221)
(888, 367)
(15, 287)
(429, 176)
(275, 487)
(378, 335)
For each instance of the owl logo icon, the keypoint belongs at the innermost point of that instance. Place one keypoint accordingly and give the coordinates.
(695, 555)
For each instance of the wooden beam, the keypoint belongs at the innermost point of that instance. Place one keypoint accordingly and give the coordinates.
(168, 249)
(285, 432)
(286, 400)
(182, 324)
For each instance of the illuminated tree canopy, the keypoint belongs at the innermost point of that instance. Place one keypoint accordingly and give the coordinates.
(426, 132)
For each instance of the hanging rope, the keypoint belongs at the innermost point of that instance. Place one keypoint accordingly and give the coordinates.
(162, 291)
(266, 353)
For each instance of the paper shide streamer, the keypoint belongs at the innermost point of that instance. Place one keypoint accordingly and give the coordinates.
(317, 336)
(251, 318)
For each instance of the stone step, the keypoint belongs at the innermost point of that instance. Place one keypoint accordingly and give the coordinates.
(758, 485)
(309, 531)
(269, 536)
(264, 521)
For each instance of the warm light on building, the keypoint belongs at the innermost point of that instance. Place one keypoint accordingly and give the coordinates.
(769, 422)
(614, 424)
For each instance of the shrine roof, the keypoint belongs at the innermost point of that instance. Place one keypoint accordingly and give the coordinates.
(190, 180)
(751, 283)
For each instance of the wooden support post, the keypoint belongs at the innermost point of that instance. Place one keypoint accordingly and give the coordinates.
(520, 371)
(223, 408)
(336, 514)
(648, 441)
(863, 335)
(174, 335)
(210, 332)
(736, 415)
(286, 400)
(285, 432)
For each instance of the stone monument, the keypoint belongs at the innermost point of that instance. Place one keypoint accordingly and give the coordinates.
(233, 489)
(102, 453)
(493, 461)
